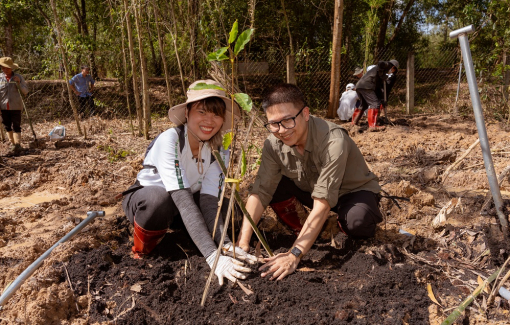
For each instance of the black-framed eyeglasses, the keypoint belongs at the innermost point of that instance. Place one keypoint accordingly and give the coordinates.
(286, 123)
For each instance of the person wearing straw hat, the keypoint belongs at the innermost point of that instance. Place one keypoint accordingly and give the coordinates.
(11, 103)
(181, 177)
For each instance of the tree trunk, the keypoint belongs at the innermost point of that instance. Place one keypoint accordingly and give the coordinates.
(66, 66)
(174, 39)
(383, 27)
(9, 41)
(156, 64)
(162, 53)
(192, 14)
(334, 89)
(401, 20)
(288, 28)
(143, 66)
(126, 81)
(134, 69)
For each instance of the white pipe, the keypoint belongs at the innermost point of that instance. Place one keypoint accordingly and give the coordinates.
(11, 289)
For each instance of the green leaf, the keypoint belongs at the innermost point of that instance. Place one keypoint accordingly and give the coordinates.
(243, 163)
(233, 33)
(218, 55)
(242, 40)
(203, 85)
(227, 140)
(244, 101)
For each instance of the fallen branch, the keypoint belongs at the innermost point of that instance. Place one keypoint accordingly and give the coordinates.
(459, 310)
(458, 161)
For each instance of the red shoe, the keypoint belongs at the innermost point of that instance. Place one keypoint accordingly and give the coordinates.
(144, 241)
(372, 120)
(356, 116)
(292, 213)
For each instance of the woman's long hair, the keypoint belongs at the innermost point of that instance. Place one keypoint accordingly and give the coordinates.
(216, 106)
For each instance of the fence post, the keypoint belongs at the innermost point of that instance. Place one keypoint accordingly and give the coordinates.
(410, 82)
(291, 76)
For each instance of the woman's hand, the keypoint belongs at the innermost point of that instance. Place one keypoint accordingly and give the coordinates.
(240, 254)
(228, 267)
(280, 266)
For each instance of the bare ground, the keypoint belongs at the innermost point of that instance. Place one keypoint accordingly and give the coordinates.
(45, 192)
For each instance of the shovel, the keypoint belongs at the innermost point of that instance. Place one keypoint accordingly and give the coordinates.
(36, 143)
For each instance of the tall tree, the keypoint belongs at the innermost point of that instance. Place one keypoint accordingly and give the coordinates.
(143, 67)
(134, 68)
(334, 88)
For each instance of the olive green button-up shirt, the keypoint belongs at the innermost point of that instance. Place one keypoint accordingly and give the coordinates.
(332, 165)
(10, 97)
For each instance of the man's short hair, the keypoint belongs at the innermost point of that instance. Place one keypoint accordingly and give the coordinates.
(281, 94)
(83, 67)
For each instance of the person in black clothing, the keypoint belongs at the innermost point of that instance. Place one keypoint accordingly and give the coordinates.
(370, 89)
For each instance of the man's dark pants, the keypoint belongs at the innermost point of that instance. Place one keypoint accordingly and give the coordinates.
(358, 212)
(11, 119)
(368, 99)
(87, 102)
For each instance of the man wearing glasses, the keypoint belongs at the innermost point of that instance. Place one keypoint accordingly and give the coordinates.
(312, 162)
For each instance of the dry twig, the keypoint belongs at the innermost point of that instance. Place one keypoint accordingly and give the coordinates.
(458, 161)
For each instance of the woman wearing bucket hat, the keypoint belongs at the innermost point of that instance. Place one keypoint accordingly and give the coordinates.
(11, 103)
(180, 177)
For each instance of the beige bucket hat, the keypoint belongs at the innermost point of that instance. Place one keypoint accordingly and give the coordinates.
(8, 63)
(177, 114)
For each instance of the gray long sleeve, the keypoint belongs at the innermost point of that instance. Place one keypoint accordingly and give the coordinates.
(209, 206)
(194, 221)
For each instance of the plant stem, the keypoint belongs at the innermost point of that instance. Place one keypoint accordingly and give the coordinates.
(218, 251)
(458, 311)
(243, 208)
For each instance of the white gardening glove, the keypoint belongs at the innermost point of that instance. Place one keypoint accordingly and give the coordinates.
(227, 267)
(241, 255)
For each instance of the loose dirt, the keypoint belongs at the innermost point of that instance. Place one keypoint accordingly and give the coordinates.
(92, 279)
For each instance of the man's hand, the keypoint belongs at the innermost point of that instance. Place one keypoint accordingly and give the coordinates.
(280, 265)
(16, 78)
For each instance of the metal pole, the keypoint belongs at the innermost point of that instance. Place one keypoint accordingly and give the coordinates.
(480, 123)
(31, 269)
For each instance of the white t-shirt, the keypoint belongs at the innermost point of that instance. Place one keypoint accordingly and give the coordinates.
(178, 170)
(347, 104)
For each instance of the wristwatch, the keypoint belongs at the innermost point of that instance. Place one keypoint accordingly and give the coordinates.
(296, 252)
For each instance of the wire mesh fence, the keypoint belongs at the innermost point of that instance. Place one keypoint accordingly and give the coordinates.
(436, 76)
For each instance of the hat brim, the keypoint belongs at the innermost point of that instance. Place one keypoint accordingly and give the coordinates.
(14, 66)
(177, 114)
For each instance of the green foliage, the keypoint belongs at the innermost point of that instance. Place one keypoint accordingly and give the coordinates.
(227, 140)
(115, 154)
(233, 33)
(242, 40)
(243, 163)
(218, 55)
(244, 101)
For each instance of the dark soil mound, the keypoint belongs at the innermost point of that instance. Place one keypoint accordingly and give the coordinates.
(331, 286)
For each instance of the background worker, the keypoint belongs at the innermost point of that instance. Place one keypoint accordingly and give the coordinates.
(348, 103)
(83, 84)
(11, 103)
(369, 91)
(181, 178)
(312, 162)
